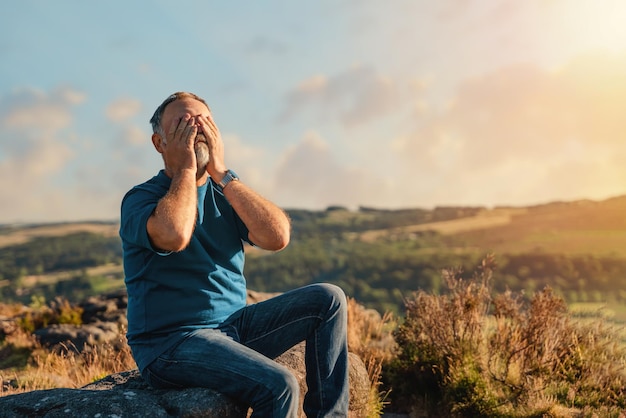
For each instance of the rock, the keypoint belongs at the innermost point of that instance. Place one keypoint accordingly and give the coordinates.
(109, 308)
(7, 327)
(360, 387)
(126, 394)
(129, 397)
(77, 338)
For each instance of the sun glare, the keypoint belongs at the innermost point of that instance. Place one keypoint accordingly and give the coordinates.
(593, 24)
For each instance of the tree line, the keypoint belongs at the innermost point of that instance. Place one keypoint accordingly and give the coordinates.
(325, 246)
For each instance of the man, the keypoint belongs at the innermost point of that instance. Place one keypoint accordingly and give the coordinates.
(188, 324)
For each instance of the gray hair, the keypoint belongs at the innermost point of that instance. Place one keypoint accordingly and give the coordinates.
(155, 120)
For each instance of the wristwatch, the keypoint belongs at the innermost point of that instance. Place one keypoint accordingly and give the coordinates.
(228, 177)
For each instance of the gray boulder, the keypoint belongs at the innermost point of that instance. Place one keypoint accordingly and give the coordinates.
(129, 397)
(72, 337)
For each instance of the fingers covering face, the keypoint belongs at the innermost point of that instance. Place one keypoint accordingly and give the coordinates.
(208, 126)
(183, 131)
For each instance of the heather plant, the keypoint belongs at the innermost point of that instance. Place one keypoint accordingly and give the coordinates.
(470, 353)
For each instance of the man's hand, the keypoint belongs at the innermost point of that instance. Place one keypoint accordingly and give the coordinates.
(178, 149)
(216, 167)
(268, 226)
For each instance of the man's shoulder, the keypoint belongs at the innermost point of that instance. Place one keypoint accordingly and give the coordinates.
(146, 193)
(158, 183)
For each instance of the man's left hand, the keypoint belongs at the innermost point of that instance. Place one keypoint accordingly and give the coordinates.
(216, 167)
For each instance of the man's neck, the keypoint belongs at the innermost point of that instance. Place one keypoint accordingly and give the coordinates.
(200, 181)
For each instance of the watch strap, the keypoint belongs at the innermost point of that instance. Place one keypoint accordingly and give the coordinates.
(228, 177)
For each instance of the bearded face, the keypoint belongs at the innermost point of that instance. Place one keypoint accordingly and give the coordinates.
(202, 153)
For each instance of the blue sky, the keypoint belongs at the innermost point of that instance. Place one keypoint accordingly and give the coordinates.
(356, 103)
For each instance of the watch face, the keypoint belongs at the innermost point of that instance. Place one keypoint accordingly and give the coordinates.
(228, 177)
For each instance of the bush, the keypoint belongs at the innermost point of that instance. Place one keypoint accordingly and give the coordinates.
(468, 353)
(58, 311)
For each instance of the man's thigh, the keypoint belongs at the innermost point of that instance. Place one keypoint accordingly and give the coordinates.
(277, 324)
(210, 358)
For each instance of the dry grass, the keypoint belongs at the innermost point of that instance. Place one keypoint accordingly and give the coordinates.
(46, 369)
(25, 365)
(468, 353)
(370, 337)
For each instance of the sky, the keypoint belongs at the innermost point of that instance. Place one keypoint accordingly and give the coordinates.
(383, 104)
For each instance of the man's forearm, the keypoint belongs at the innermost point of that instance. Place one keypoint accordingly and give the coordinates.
(171, 225)
(268, 225)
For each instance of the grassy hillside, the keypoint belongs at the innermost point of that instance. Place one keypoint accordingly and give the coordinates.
(11, 235)
(583, 227)
(579, 227)
(379, 256)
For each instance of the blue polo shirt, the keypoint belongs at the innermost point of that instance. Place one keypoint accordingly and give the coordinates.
(172, 294)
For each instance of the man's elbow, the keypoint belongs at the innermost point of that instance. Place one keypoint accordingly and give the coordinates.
(283, 237)
(177, 246)
(281, 243)
(171, 239)
(275, 242)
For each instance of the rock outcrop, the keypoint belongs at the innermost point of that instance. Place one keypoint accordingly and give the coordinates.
(120, 395)
(126, 394)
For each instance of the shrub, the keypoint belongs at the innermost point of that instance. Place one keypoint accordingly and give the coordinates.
(41, 315)
(469, 353)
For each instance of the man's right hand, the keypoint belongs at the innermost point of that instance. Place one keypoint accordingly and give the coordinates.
(171, 225)
(178, 148)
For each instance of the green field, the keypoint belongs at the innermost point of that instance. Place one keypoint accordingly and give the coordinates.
(378, 256)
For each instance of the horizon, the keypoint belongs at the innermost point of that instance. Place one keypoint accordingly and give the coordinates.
(350, 209)
(411, 105)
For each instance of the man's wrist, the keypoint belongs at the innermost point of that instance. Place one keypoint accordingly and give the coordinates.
(228, 178)
(181, 173)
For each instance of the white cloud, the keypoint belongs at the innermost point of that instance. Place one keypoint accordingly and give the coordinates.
(31, 122)
(71, 96)
(123, 109)
(250, 163)
(31, 109)
(308, 175)
(355, 97)
(35, 146)
(522, 134)
(519, 135)
(134, 135)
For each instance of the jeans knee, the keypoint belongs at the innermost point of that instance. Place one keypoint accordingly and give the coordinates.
(286, 388)
(278, 394)
(291, 383)
(334, 293)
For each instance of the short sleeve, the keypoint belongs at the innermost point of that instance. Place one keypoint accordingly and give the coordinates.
(137, 206)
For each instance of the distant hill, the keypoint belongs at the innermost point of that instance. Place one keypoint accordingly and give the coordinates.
(577, 227)
(376, 255)
(585, 226)
(19, 234)
(580, 227)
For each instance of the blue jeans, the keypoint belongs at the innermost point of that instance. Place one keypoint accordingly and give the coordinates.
(236, 358)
